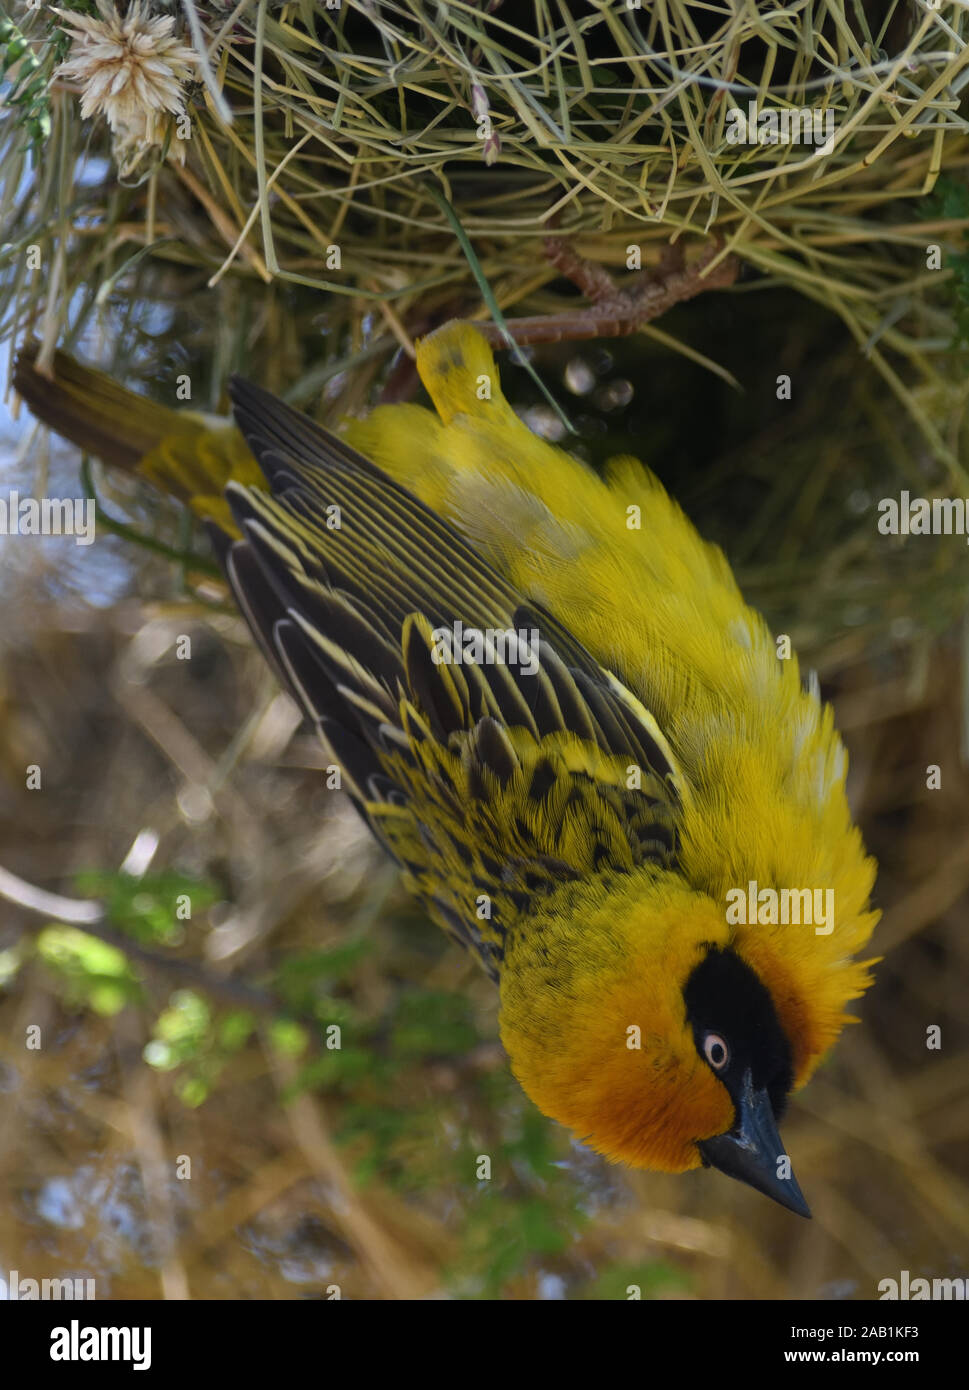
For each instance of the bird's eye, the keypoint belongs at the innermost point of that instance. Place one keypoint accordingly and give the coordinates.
(716, 1051)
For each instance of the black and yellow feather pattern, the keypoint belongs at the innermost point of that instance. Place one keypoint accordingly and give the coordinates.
(489, 784)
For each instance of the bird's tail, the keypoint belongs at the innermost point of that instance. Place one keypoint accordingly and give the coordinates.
(182, 452)
(92, 410)
(192, 456)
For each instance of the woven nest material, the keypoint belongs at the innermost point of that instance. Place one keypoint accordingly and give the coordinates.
(362, 149)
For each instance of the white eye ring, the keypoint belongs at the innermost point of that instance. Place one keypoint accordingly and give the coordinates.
(716, 1051)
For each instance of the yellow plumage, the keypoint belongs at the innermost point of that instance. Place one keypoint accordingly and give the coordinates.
(659, 607)
(579, 828)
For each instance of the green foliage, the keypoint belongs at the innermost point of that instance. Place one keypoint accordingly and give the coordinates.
(288, 1037)
(150, 909)
(415, 1116)
(430, 1023)
(504, 1235)
(526, 1213)
(416, 1092)
(338, 1069)
(25, 78)
(10, 962)
(305, 981)
(189, 1037)
(314, 985)
(91, 973)
(950, 201)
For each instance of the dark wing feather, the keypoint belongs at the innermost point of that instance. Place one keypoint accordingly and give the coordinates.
(471, 774)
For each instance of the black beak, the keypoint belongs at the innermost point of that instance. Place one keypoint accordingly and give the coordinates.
(751, 1149)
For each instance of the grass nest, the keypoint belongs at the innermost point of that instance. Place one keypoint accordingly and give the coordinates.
(361, 150)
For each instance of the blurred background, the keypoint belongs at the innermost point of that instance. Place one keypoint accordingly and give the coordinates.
(182, 1129)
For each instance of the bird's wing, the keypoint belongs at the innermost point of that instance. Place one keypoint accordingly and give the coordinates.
(490, 780)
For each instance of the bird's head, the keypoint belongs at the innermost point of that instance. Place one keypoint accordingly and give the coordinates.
(631, 1015)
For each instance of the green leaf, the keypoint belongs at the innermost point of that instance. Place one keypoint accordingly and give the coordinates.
(93, 974)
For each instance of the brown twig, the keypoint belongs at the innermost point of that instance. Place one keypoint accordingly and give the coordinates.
(614, 311)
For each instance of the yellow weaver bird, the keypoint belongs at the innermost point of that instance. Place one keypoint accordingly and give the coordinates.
(570, 731)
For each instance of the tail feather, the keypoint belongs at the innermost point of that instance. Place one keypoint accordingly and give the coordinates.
(184, 453)
(91, 410)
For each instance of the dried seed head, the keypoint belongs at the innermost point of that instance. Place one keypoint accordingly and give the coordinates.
(131, 69)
